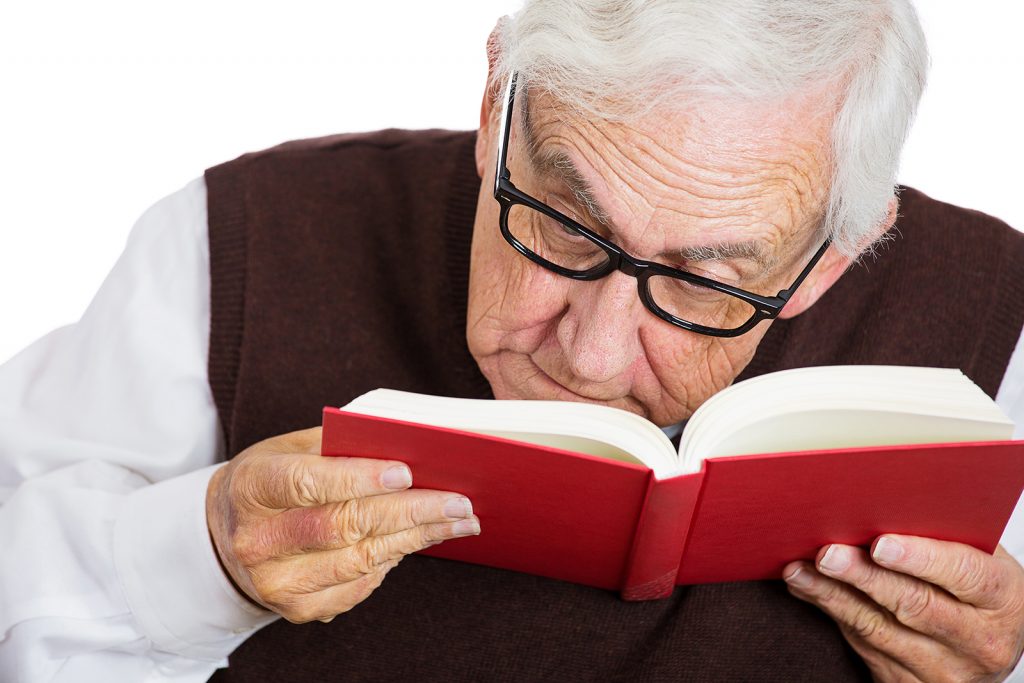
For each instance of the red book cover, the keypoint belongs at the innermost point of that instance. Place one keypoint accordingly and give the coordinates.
(612, 525)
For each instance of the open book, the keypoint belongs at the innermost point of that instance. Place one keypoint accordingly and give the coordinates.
(768, 470)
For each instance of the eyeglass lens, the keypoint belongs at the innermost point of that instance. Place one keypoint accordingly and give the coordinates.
(560, 245)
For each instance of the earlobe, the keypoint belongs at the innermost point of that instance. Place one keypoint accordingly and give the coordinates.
(825, 274)
(831, 267)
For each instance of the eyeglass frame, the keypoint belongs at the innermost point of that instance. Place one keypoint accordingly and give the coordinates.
(508, 195)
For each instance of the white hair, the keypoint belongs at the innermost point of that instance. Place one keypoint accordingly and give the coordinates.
(617, 59)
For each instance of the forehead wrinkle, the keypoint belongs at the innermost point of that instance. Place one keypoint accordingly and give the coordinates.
(798, 194)
(556, 163)
(767, 170)
(693, 181)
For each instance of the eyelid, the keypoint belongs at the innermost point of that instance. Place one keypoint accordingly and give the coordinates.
(574, 210)
(734, 278)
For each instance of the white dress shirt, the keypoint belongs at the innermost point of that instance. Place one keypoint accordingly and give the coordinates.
(108, 438)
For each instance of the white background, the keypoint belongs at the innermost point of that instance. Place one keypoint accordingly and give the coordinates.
(107, 105)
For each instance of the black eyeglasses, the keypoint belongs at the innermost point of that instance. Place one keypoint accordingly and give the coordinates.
(551, 239)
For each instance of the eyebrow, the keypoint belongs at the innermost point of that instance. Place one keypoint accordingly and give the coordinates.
(557, 164)
(752, 251)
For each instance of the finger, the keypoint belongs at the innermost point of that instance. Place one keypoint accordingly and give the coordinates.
(883, 667)
(319, 570)
(326, 604)
(973, 576)
(308, 479)
(340, 599)
(853, 610)
(338, 525)
(915, 603)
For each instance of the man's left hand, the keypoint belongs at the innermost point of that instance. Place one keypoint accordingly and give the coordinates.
(920, 609)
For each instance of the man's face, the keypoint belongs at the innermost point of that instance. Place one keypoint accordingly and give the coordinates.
(734, 195)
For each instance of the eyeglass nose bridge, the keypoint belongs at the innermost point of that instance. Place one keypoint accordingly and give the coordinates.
(624, 263)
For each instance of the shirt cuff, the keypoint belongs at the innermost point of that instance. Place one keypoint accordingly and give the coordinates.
(174, 584)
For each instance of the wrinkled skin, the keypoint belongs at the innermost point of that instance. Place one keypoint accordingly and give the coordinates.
(714, 176)
(310, 538)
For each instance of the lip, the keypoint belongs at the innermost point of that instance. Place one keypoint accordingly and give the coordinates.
(565, 393)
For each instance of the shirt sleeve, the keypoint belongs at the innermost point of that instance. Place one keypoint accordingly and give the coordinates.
(108, 438)
(1010, 398)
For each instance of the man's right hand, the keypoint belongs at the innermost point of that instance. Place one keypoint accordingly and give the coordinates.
(310, 537)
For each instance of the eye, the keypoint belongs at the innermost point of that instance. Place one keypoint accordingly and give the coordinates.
(711, 271)
(698, 291)
(559, 229)
(568, 211)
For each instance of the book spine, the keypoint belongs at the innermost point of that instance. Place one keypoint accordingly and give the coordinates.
(660, 537)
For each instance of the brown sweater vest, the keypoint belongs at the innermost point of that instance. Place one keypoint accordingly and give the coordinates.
(340, 265)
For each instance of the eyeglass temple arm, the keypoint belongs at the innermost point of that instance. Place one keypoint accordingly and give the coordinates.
(506, 128)
(788, 292)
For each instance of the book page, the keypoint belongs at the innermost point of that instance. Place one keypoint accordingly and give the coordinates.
(841, 407)
(576, 444)
(815, 430)
(593, 429)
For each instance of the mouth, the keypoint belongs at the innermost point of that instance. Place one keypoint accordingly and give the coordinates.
(550, 386)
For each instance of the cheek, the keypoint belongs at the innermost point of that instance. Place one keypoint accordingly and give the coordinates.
(512, 302)
(687, 369)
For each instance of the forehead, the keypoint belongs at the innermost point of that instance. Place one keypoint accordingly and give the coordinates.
(718, 167)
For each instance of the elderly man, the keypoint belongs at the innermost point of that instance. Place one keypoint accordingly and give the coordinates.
(639, 167)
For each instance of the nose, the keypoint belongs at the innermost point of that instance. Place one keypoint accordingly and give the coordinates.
(599, 333)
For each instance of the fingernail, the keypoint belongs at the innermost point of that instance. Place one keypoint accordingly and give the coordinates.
(398, 477)
(887, 551)
(836, 559)
(800, 579)
(458, 508)
(466, 527)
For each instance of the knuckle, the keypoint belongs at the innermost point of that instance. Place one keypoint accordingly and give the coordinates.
(303, 484)
(249, 547)
(370, 553)
(831, 593)
(870, 624)
(914, 602)
(432, 534)
(245, 482)
(966, 570)
(271, 586)
(974, 578)
(300, 441)
(406, 513)
(998, 653)
(327, 570)
(351, 522)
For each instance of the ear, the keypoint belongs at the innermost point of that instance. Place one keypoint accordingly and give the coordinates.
(830, 268)
(488, 108)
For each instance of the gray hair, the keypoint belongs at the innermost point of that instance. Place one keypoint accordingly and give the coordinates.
(667, 54)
